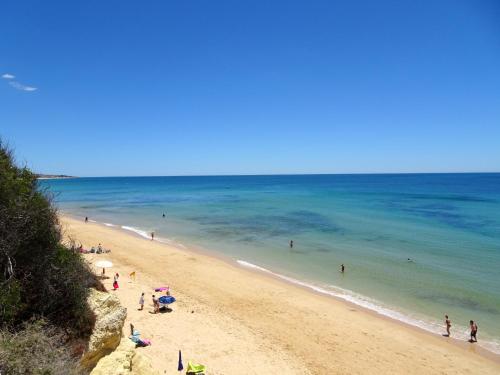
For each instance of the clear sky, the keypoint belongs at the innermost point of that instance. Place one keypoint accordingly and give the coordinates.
(171, 87)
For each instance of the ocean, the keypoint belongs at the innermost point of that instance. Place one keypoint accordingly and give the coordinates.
(448, 225)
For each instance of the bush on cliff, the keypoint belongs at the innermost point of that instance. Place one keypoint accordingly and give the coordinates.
(36, 348)
(39, 278)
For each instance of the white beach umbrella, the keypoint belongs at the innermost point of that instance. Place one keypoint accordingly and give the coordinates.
(104, 264)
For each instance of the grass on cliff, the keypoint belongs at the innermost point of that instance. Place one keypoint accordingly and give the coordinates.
(39, 277)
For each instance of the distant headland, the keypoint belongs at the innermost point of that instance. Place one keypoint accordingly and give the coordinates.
(41, 176)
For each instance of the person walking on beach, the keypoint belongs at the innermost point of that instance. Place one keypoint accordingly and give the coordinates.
(342, 268)
(115, 281)
(291, 244)
(141, 301)
(473, 331)
(86, 219)
(448, 325)
(152, 236)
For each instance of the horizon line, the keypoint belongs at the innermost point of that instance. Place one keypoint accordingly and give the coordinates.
(262, 175)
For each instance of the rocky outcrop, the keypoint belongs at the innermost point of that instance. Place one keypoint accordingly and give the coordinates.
(125, 360)
(107, 333)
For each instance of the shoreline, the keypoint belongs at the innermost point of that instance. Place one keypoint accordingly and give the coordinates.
(378, 311)
(255, 276)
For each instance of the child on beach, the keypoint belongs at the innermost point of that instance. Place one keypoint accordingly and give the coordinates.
(115, 281)
(141, 301)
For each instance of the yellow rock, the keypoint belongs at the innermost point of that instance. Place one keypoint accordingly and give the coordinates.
(125, 360)
(106, 336)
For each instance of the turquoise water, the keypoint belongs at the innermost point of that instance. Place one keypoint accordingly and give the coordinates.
(448, 224)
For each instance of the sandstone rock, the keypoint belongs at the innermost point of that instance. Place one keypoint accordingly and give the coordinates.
(106, 336)
(125, 360)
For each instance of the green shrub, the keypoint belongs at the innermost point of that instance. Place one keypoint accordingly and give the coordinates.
(38, 276)
(38, 349)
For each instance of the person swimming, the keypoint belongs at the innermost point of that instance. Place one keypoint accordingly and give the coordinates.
(291, 244)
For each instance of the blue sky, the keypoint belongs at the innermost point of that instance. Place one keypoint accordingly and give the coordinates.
(249, 87)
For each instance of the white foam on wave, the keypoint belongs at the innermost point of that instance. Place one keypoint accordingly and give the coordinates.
(109, 224)
(140, 232)
(460, 333)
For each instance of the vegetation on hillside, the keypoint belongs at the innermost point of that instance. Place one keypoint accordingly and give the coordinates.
(43, 285)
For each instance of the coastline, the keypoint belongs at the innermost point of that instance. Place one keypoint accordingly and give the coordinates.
(316, 326)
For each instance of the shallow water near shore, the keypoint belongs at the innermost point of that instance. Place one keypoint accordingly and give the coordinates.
(447, 224)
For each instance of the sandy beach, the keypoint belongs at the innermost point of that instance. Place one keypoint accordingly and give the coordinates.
(235, 320)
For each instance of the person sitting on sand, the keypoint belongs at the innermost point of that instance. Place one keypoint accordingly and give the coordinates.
(141, 301)
(473, 331)
(448, 325)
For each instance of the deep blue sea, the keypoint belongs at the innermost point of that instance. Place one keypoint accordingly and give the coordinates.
(447, 224)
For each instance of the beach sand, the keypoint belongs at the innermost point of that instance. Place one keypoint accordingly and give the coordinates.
(237, 321)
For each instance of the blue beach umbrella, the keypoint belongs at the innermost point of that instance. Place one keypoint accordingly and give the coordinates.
(180, 367)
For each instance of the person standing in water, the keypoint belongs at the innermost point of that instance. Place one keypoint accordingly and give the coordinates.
(473, 331)
(291, 244)
(342, 268)
(86, 219)
(163, 214)
(448, 325)
(152, 236)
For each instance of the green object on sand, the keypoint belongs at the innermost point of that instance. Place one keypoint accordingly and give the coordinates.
(194, 368)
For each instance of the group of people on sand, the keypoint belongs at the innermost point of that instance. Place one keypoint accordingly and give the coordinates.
(472, 325)
(156, 303)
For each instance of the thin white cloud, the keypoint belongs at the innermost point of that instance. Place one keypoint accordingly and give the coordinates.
(8, 76)
(20, 86)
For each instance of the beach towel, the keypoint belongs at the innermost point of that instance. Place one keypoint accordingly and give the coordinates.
(142, 343)
(194, 368)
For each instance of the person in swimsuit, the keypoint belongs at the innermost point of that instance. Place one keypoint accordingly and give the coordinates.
(342, 268)
(156, 306)
(86, 219)
(152, 236)
(291, 244)
(115, 281)
(141, 301)
(448, 325)
(473, 331)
